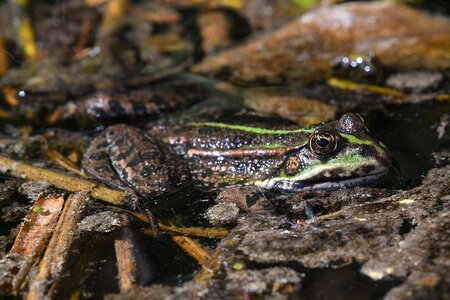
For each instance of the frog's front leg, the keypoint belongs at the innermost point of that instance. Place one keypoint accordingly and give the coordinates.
(125, 157)
(96, 162)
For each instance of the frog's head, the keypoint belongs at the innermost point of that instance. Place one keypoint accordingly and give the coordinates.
(337, 154)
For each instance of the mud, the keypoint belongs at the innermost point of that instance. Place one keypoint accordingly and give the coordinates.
(398, 239)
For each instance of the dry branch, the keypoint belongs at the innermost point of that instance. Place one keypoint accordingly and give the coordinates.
(69, 183)
(216, 233)
(193, 248)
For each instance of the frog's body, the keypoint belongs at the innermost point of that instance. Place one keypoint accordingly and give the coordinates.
(332, 155)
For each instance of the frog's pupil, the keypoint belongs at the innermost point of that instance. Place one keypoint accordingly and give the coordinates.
(322, 142)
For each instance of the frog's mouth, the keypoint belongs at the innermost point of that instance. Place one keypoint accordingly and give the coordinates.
(307, 186)
(292, 186)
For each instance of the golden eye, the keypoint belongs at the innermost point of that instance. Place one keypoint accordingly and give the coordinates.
(293, 164)
(322, 143)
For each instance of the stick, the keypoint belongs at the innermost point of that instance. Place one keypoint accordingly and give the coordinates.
(216, 233)
(60, 180)
(192, 248)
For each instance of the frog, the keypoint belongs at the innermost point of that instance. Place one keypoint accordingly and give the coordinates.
(211, 154)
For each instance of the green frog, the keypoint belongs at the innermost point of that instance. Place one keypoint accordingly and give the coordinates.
(164, 158)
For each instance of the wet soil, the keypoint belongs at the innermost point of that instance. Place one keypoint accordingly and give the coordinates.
(363, 243)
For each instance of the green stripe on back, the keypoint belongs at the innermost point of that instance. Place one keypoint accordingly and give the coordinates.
(272, 146)
(252, 129)
(354, 139)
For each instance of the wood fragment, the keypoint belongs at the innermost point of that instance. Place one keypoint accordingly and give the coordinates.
(212, 233)
(133, 265)
(61, 160)
(24, 27)
(443, 97)
(126, 263)
(4, 60)
(193, 248)
(31, 240)
(87, 27)
(35, 228)
(69, 183)
(10, 94)
(215, 233)
(356, 86)
(112, 19)
(55, 116)
(59, 249)
(214, 266)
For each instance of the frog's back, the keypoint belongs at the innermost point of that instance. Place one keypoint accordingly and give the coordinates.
(332, 155)
(224, 152)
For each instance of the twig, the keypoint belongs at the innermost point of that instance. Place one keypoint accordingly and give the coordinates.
(214, 266)
(61, 160)
(215, 233)
(193, 248)
(60, 180)
(354, 86)
(25, 31)
(112, 19)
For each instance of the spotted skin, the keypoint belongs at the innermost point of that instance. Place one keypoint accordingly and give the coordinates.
(218, 154)
(146, 102)
(221, 154)
(124, 156)
(96, 162)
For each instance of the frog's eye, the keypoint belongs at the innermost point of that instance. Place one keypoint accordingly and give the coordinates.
(293, 164)
(322, 143)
